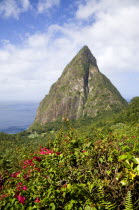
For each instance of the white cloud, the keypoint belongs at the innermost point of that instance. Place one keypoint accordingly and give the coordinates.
(28, 71)
(13, 8)
(25, 4)
(44, 5)
(94, 7)
(9, 8)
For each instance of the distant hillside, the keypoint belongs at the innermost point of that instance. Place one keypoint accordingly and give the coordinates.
(131, 113)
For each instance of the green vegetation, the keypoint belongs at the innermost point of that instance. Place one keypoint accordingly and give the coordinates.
(84, 164)
(131, 113)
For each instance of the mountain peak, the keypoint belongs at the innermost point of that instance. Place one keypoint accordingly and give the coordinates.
(85, 50)
(82, 90)
(85, 57)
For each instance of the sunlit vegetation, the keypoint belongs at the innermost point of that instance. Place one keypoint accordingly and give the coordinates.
(87, 164)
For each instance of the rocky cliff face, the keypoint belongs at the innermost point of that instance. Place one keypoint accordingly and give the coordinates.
(82, 90)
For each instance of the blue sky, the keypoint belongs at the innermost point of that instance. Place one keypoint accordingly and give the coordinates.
(38, 38)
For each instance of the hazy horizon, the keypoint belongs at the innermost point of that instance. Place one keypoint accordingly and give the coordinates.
(16, 117)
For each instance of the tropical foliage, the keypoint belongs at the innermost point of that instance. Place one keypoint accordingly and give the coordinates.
(94, 165)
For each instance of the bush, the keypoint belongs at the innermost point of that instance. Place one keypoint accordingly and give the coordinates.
(75, 173)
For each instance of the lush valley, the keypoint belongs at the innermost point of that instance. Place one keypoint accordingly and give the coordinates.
(89, 163)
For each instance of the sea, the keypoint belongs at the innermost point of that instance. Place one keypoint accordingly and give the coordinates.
(16, 116)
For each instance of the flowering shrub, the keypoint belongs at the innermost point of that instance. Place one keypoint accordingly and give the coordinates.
(70, 173)
(21, 199)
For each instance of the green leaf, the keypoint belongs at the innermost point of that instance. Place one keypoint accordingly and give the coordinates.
(90, 186)
(53, 206)
(124, 182)
(136, 160)
(128, 201)
(101, 160)
(110, 159)
(89, 208)
(108, 172)
(137, 170)
(122, 157)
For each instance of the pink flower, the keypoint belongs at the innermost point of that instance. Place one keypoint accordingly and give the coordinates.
(24, 167)
(84, 151)
(45, 151)
(21, 199)
(37, 200)
(28, 163)
(24, 188)
(14, 175)
(20, 186)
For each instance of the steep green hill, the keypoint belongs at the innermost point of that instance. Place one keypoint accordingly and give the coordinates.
(131, 113)
(82, 90)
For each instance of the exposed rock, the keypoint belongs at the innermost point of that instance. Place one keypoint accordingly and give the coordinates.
(82, 90)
